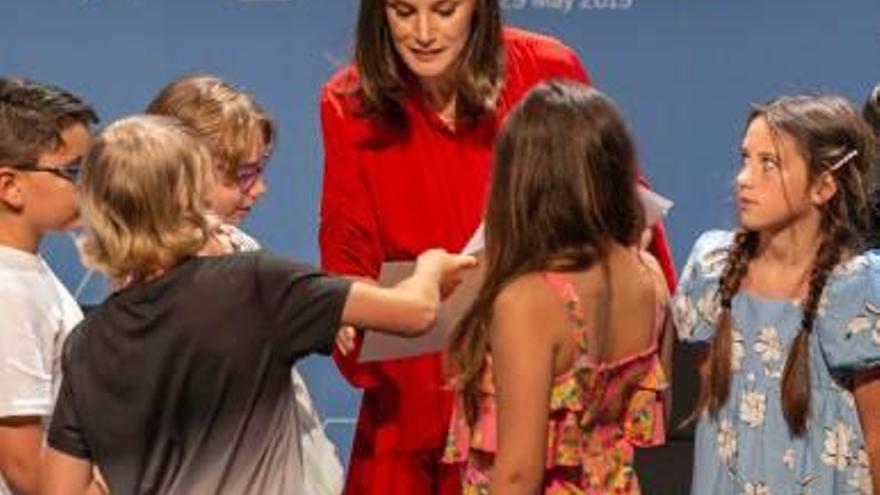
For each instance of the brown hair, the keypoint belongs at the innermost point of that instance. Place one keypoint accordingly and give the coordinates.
(825, 129)
(142, 198)
(230, 121)
(871, 110)
(563, 188)
(385, 81)
(32, 118)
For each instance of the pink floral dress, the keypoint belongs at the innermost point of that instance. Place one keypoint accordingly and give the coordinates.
(598, 413)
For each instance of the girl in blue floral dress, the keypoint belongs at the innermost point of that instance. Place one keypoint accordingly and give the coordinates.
(784, 313)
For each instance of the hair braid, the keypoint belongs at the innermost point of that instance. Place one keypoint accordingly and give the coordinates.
(716, 387)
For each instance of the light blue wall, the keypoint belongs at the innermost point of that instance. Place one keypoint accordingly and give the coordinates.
(683, 71)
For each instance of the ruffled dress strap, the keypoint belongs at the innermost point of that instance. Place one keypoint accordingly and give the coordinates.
(599, 411)
(561, 285)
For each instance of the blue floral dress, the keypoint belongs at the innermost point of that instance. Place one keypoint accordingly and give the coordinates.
(748, 450)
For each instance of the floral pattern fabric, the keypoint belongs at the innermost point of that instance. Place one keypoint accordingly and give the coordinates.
(747, 449)
(587, 454)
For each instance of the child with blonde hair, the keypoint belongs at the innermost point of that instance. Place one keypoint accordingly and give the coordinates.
(179, 383)
(237, 131)
(241, 135)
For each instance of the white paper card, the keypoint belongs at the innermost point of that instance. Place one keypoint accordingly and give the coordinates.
(655, 205)
(380, 347)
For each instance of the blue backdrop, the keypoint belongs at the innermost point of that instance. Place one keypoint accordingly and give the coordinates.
(683, 71)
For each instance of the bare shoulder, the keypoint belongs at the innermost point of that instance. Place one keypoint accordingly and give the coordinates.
(524, 294)
(526, 303)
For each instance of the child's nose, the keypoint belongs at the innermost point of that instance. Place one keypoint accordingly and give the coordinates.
(743, 177)
(258, 189)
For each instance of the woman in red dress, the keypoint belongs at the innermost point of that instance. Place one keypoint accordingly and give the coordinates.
(408, 133)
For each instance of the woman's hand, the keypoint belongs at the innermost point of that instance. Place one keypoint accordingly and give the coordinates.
(346, 339)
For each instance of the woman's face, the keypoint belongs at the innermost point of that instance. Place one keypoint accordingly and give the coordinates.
(430, 35)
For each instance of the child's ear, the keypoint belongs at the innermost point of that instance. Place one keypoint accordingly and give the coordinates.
(823, 189)
(11, 195)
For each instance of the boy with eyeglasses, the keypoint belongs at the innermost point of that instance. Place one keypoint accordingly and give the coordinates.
(44, 132)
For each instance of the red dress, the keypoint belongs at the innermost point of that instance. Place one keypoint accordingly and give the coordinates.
(389, 197)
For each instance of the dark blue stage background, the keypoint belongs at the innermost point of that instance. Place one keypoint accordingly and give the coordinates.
(683, 71)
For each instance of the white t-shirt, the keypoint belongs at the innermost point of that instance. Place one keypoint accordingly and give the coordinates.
(36, 314)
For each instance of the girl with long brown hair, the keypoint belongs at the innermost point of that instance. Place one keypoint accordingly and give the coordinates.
(784, 312)
(557, 364)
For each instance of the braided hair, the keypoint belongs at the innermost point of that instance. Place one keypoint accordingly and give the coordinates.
(833, 138)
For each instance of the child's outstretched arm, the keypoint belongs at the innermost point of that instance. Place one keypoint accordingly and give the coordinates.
(867, 394)
(410, 307)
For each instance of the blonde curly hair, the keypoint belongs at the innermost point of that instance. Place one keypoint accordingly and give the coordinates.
(142, 198)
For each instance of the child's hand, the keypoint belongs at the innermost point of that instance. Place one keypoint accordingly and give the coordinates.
(345, 339)
(98, 486)
(448, 268)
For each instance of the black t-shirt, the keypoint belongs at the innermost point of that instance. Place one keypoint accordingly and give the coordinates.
(182, 385)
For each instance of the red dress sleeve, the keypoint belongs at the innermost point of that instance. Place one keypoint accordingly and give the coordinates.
(348, 233)
(564, 63)
(660, 249)
(533, 58)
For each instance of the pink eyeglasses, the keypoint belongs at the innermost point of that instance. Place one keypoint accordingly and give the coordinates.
(247, 174)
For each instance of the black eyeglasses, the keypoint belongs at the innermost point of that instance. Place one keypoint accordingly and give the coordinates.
(69, 172)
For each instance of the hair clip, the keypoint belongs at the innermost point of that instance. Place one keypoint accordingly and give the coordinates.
(843, 161)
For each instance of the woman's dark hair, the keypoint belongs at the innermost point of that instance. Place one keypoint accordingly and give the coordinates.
(385, 81)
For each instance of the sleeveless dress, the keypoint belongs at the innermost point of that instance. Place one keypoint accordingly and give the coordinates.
(599, 411)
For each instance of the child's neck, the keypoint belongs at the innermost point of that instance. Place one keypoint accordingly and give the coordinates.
(214, 246)
(792, 246)
(784, 260)
(18, 236)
